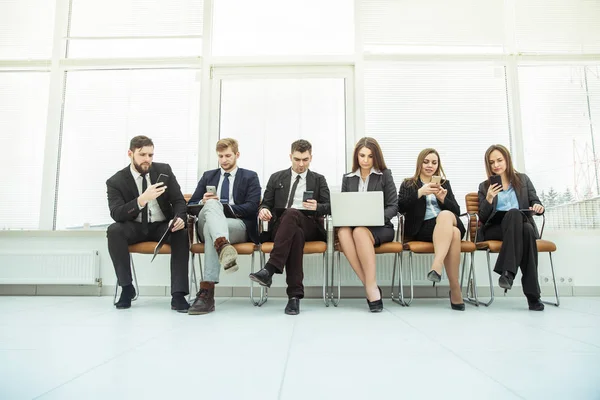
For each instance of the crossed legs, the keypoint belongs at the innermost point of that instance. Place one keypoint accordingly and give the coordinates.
(446, 244)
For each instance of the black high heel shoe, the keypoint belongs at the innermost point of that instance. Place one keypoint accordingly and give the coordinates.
(377, 305)
(434, 277)
(457, 307)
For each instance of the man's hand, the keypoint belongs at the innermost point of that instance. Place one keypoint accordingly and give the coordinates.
(178, 225)
(208, 196)
(151, 193)
(264, 214)
(537, 208)
(428, 188)
(310, 204)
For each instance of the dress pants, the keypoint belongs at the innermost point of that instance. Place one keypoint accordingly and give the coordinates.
(213, 224)
(291, 231)
(519, 248)
(122, 234)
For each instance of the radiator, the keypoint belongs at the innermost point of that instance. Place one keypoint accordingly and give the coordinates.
(385, 264)
(50, 267)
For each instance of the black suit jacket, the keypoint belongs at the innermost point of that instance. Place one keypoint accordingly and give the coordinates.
(122, 193)
(278, 189)
(526, 197)
(383, 183)
(413, 207)
(246, 194)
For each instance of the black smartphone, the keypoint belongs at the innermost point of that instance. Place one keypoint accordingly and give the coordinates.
(308, 195)
(162, 178)
(496, 179)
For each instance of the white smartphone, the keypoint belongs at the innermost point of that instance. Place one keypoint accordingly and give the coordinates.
(212, 189)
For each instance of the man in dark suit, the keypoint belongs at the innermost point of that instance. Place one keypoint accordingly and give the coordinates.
(237, 189)
(290, 227)
(142, 210)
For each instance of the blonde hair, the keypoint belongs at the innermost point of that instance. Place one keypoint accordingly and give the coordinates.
(223, 144)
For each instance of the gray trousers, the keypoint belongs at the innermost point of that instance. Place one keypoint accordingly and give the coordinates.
(213, 224)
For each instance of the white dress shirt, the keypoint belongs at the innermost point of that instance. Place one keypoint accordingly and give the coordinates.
(155, 214)
(364, 185)
(300, 189)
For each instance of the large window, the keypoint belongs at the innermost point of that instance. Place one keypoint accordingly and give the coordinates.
(103, 111)
(23, 111)
(458, 109)
(267, 115)
(26, 29)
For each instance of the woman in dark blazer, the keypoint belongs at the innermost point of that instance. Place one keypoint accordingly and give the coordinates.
(431, 215)
(369, 173)
(506, 211)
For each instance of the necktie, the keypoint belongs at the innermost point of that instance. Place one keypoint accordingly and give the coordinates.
(225, 188)
(293, 192)
(145, 209)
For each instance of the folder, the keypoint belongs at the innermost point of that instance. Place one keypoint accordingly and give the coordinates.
(163, 239)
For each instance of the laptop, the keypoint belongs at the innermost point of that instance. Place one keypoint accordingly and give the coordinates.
(357, 209)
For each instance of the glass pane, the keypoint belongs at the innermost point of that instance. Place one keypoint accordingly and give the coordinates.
(267, 115)
(103, 111)
(23, 113)
(26, 29)
(138, 19)
(561, 122)
(275, 27)
(458, 109)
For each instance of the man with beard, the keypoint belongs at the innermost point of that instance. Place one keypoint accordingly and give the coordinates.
(142, 209)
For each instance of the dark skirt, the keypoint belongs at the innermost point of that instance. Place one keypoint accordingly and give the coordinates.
(425, 233)
(381, 234)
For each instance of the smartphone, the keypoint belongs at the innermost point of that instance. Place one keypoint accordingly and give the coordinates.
(496, 179)
(162, 178)
(212, 189)
(308, 195)
(436, 179)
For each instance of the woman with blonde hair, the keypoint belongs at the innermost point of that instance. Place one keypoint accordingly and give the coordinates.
(507, 202)
(369, 173)
(431, 215)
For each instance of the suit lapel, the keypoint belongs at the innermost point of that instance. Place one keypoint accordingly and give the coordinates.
(130, 182)
(284, 188)
(373, 181)
(353, 183)
(311, 182)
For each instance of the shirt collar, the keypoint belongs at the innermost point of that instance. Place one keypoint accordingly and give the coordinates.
(232, 172)
(357, 172)
(302, 175)
(134, 172)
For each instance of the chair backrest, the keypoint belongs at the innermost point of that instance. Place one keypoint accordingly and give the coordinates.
(472, 202)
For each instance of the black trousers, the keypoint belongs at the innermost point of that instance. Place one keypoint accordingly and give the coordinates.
(519, 248)
(291, 231)
(122, 234)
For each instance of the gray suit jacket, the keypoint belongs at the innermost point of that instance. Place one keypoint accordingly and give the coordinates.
(526, 196)
(383, 183)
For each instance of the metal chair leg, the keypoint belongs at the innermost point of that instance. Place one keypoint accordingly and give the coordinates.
(325, 280)
(555, 288)
(263, 290)
(193, 281)
(475, 301)
(337, 267)
(399, 298)
(410, 275)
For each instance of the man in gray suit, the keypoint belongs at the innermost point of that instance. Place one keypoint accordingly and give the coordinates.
(293, 221)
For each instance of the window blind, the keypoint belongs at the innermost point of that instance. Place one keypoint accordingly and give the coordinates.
(26, 29)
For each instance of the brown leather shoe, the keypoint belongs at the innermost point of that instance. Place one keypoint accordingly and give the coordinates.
(227, 254)
(205, 300)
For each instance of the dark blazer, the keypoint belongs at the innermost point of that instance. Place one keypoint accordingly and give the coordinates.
(278, 189)
(413, 207)
(383, 183)
(246, 194)
(122, 193)
(526, 197)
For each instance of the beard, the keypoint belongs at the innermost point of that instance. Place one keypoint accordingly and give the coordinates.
(142, 169)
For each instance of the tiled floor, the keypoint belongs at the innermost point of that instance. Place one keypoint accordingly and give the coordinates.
(82, 348)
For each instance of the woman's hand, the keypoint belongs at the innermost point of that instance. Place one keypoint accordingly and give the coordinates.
(492, 192)
(441, 195)
(428, 188)
(537, 208)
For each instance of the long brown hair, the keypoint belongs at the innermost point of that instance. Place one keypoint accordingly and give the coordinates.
(421, 157)
(371, 144)
(511, 173)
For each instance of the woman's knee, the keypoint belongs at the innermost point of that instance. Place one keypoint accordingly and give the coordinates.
(456, 234)
(446, 217)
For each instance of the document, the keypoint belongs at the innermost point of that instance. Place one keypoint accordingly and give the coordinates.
(162, 240)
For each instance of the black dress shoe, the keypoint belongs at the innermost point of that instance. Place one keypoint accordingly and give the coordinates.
(434, 277)
(535, 304)
(506, 280)
(127, 294)
(457, 307)
(179, 303)
(293, 306)
(377, 305)
(262, 277)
